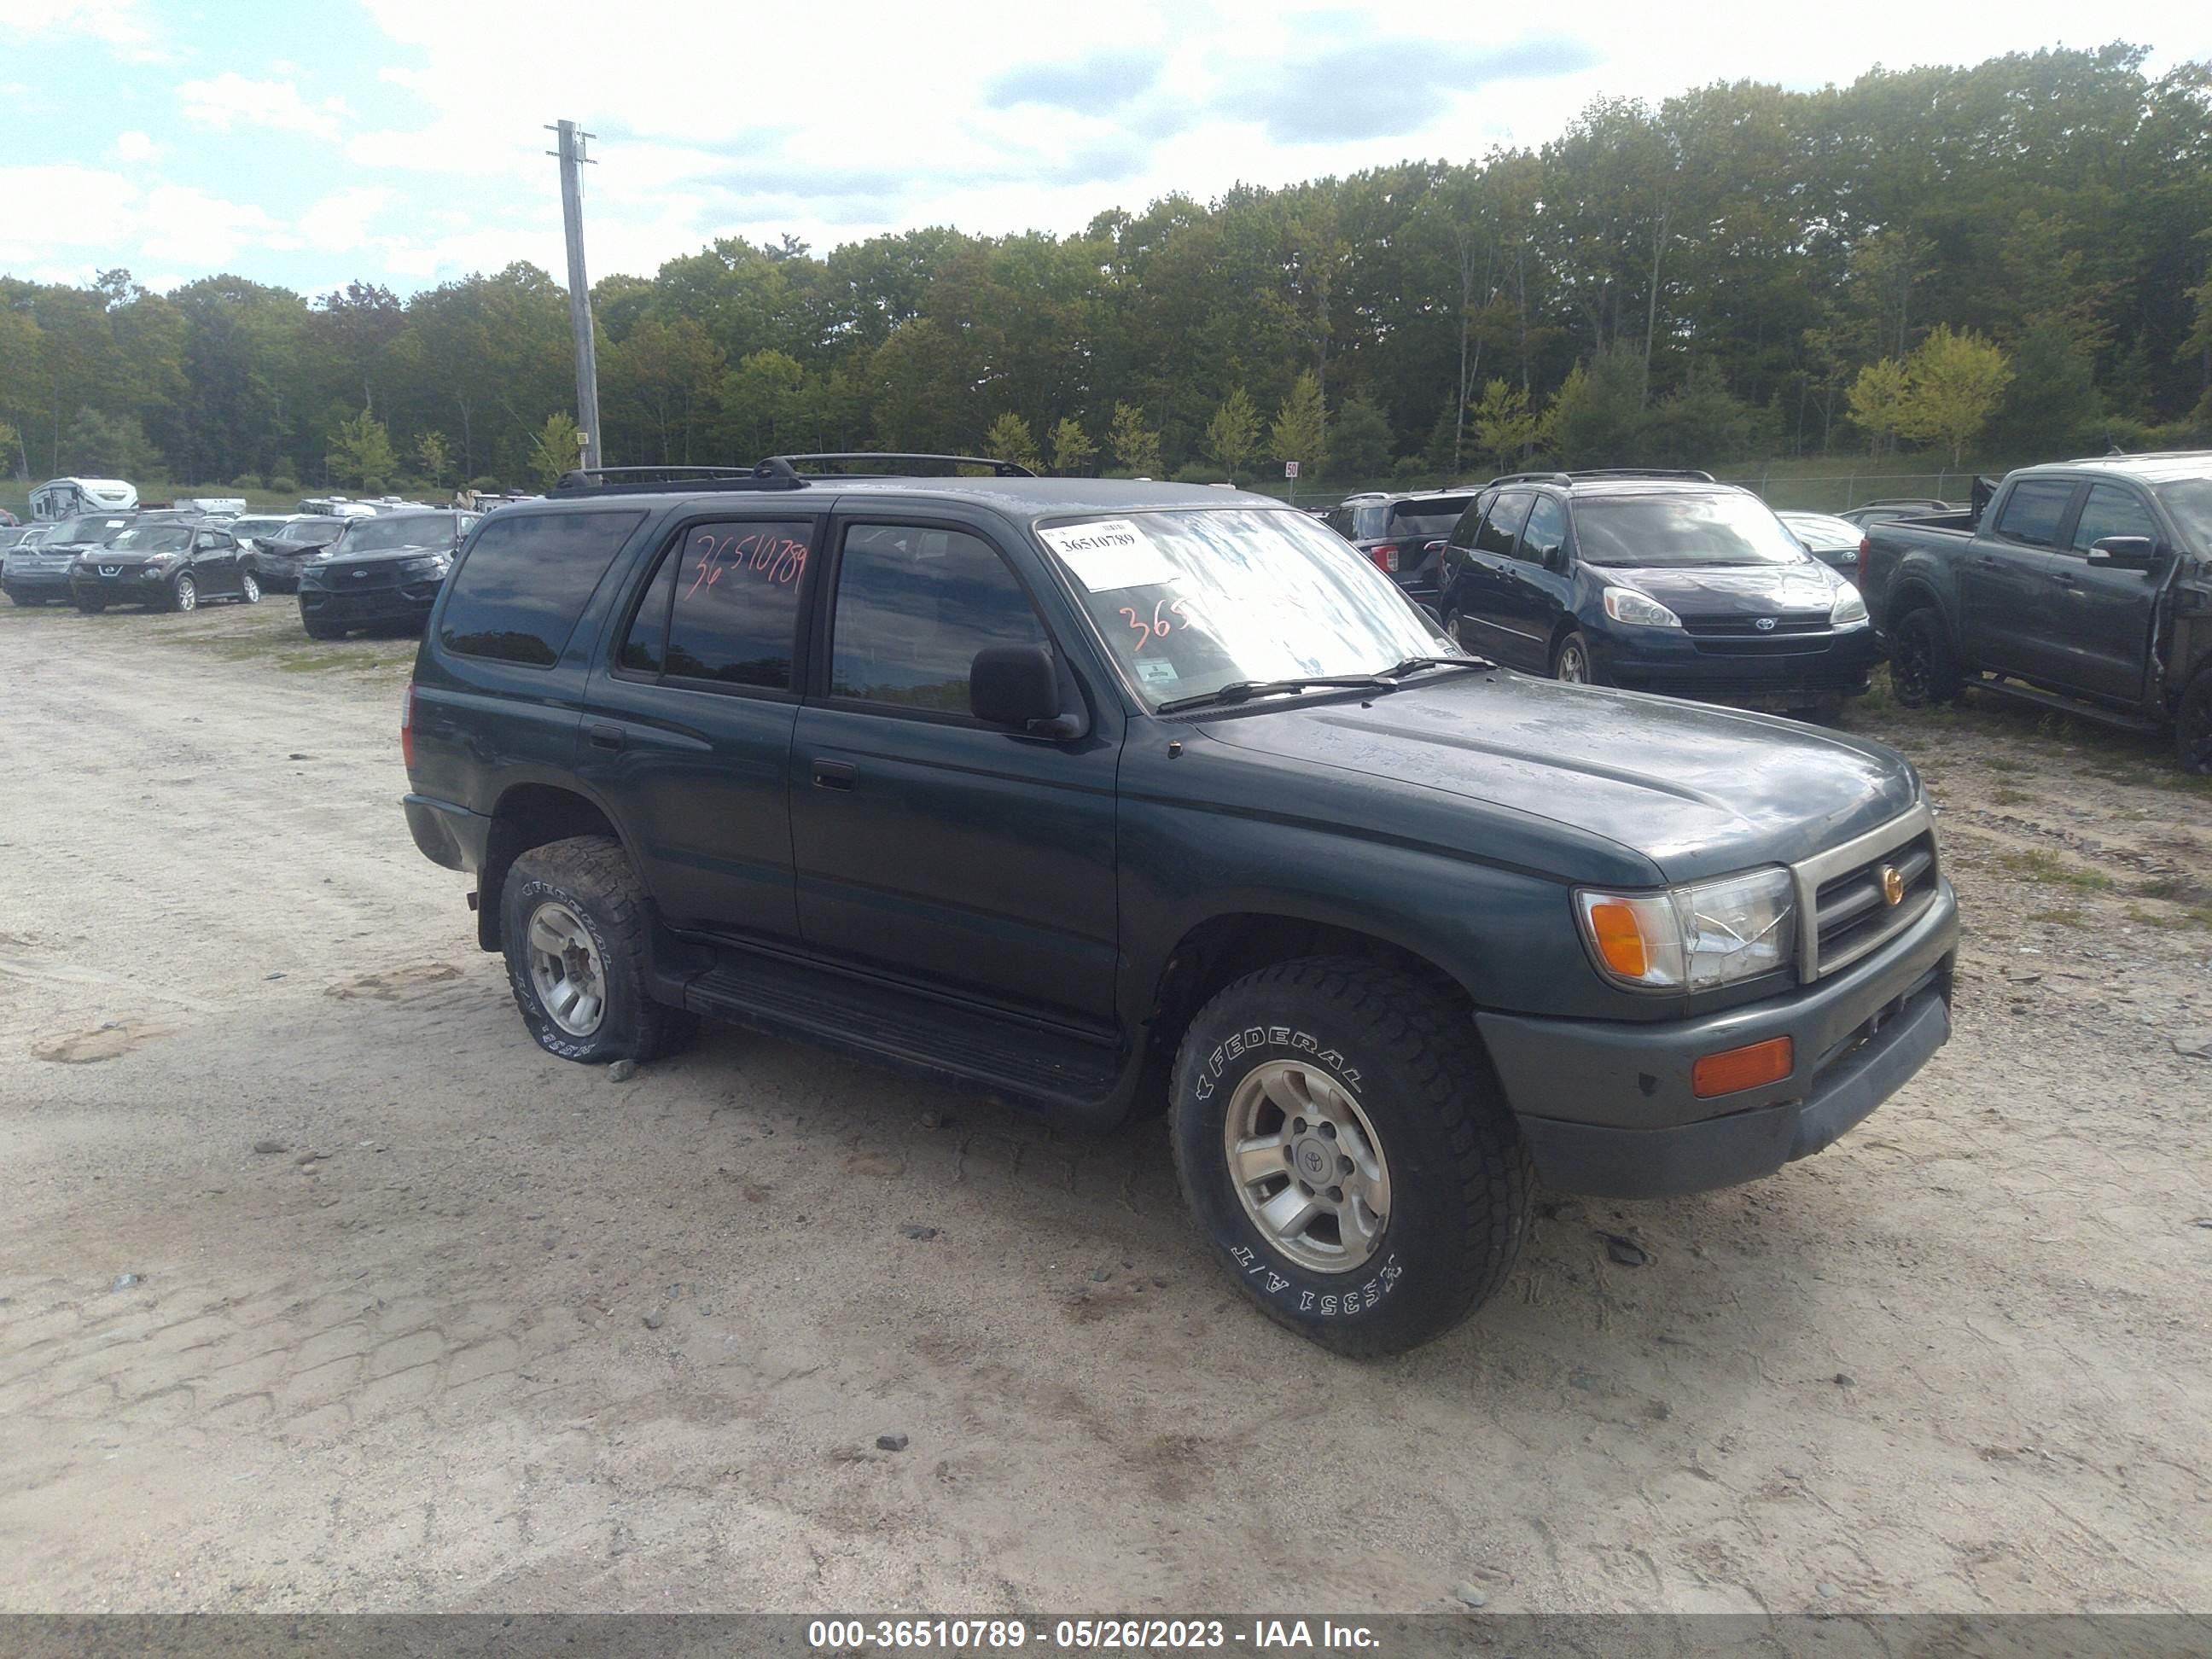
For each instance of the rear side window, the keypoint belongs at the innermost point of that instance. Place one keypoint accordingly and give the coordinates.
(2033, 509)
(1502, 524)
(724, 606)
(1463, 533)
(523, 581)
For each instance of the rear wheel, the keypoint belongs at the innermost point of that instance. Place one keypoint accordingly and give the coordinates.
(1922, 668)
(1343, 1144)
(185, 595)
(1571, 661)
(572, 922)
(2192, 725)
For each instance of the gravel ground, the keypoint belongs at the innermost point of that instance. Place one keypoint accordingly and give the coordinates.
(322, 1288)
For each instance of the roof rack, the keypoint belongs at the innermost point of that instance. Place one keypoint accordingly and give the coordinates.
(898, 465)
(771, 474)
(1689, 474)
(1528, 478)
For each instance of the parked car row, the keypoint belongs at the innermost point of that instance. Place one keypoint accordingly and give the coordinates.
(353, 571)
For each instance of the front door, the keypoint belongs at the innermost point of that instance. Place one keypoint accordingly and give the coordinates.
(2098, 619)
(1488, 621)
(214, 563)
(926, 844)
(690, 731)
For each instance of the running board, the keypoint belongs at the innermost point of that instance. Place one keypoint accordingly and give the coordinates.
(1049, 1067)
(2051, 699)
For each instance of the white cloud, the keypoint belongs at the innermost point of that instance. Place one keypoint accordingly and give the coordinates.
(132, 148)
(120, 23)
(121, 223)
(340, 221)
(231, 100)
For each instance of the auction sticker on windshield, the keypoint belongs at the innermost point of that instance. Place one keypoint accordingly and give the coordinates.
(1109, 554)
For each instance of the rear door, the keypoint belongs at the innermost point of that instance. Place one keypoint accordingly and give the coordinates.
(215, 562)
(1537, 587)
(1491, 621)
(689, 726)
(928, 845)
(2097, 622)
(2005, 581)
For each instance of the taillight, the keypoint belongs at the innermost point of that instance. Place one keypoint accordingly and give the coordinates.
(407, 728)
(1866, 544)
(1385, 557)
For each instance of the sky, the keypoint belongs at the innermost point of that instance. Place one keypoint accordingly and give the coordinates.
(403, 142)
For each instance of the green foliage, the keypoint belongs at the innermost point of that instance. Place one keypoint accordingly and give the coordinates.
(557, 447)
(1878, 399)
(1134, 446)
(247, 481)
(1233, 435)
(108, 446)
(1359, 442)
(435, 456)
(1008, 439)
(2052, 403)
(1072, 451)
(1503, 426)
(1699, 424)
(1300, 430)
(1952, 385)
(360, 450)
(283, 483)
(1599, 418)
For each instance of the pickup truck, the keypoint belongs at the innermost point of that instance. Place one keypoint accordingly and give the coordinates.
(1117, 798)
(2082, 586)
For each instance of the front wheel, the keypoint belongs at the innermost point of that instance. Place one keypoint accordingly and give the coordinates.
(1571, 661)
(249, 588)
(1343, 1144)
(2192, 725)
(185, 596)
(572, 924)
(320, 630)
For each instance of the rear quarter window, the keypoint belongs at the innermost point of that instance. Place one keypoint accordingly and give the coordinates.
(523, 581)
(2031, 514)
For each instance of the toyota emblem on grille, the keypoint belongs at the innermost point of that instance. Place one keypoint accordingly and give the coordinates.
(1892, 883)
(1765, 624)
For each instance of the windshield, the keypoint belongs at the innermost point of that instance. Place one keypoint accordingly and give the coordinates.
(2190, 500)
(1676, 530)
(1189, 602)
(96, 527)
(310, 533)
(1819, 530)
(154, 538)
(380, 535)
(1428, 518)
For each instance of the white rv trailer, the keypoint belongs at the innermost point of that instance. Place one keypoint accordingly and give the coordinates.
(64, 498)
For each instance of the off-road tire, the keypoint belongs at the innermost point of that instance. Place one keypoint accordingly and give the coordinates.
(591, 876)
(320, 630)
(1460, 1177)
(1923, 670)
(1569, 648)
(2192, 725)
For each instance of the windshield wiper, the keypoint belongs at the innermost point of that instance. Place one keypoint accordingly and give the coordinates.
(1412, 664)
(1244, 690)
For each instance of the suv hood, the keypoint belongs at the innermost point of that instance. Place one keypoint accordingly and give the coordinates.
(1698, 790)
(388, 555)
(1699, 593)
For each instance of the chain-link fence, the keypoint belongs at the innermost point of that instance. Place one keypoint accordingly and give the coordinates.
(1834, 492)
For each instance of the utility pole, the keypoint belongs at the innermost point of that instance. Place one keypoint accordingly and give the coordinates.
(579, 289)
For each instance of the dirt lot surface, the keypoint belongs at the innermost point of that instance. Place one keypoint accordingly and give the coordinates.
(321, 1287)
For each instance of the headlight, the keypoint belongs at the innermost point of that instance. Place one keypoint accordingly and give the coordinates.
(1692, 938)
(435, 565)
(160, 558)
(1626, 604)
(1848, 609)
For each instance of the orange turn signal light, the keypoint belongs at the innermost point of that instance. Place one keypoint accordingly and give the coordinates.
(1747, 1068)
(1620, 940)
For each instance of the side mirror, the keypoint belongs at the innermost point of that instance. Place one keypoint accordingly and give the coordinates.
(1432, 614)
(2123, 553)
(1555, 558)
(1018, 685)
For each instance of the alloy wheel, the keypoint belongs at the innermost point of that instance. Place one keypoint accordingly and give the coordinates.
(565, 969)
(1308, 1166)
(1574, 666)
(188, 594)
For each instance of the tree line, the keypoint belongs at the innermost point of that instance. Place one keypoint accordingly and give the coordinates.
(2015, 255)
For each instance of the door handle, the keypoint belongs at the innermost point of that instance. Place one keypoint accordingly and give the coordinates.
(605, 736)
(1988, 560)
(833, 774)
(2065, 576)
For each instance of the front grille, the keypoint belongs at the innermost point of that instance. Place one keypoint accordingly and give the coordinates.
(1727, 627)
(361, 579)
(1844, 895)
(1764, 645)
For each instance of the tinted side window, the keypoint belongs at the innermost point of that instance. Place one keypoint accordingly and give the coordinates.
(2033, 509)
(2111, 511)
(1503, 522)
(1463, 533)
(914, 607)
(644, 642)
(1544, 533)
(734, 610)
(523, 581)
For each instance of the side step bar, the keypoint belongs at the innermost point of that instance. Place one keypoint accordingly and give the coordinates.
(1049, 1067)
(2051, 699)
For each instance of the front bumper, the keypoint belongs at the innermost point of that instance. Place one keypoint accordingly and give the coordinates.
(411, 604)
(131, 584)
(1606, 1107)
(35, 584)
(1778, 668)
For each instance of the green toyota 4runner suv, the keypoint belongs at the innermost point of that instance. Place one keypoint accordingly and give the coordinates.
(1118, 797)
